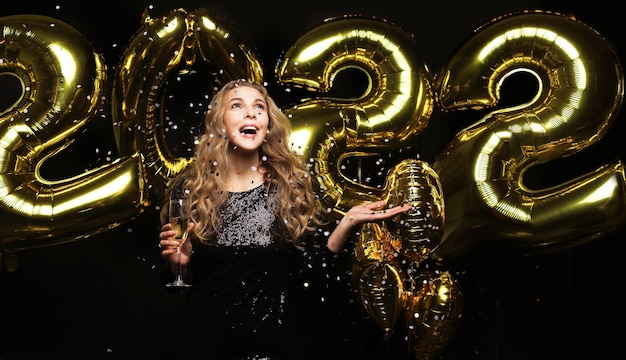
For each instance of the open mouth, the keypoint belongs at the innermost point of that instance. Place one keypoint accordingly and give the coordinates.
(248, 130)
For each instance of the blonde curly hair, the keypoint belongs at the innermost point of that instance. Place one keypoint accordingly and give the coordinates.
(205, 184)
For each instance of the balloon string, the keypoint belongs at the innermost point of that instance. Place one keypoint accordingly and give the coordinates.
(386, 340)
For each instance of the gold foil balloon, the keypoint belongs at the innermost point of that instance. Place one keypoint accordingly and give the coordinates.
(434, 309)
(200, 43)
(62, 81)
(421, 228)
(398, 247)
(376, 244)
(380, 288)
(386, 117)
(482, 169)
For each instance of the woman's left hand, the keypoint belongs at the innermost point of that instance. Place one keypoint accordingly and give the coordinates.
(359, 214)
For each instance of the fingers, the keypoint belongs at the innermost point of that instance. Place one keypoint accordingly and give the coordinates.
(380, 203)
(167, 232)
(375, 205)
(169, 251)
(167, 243)
(372, 211)
(387, 213)
(166, 253)
(169, 246)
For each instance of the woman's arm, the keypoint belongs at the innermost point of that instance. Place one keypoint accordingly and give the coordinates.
(361, 214)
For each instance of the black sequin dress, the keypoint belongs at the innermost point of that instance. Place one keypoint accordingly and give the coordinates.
(238, 307)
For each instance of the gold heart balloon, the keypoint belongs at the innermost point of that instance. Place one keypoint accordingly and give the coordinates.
(380, 288)
(434, 307)
(375, 244)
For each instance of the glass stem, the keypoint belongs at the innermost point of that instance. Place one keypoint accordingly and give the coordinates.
(180, 266)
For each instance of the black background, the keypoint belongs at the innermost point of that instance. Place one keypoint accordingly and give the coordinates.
(100, 297)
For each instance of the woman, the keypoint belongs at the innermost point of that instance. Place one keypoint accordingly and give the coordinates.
(252, 211)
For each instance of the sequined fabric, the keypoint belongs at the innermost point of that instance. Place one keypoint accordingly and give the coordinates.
(237, 307)
(243, 209)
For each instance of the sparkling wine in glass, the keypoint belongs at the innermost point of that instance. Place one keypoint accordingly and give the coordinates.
(180, 225)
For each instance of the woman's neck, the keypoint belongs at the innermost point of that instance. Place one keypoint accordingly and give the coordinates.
(244, 174)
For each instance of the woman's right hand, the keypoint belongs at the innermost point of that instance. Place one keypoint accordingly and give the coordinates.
(169, 245)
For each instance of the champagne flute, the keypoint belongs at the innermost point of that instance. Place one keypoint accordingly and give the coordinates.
(180, 224)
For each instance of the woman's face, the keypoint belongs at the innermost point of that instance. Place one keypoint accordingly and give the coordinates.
(246, 119)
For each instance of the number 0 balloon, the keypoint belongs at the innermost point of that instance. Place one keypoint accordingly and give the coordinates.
(182, 42)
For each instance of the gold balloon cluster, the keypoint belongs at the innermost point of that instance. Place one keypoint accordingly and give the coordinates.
(386, 118)
(397, 283)
(347, 141)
